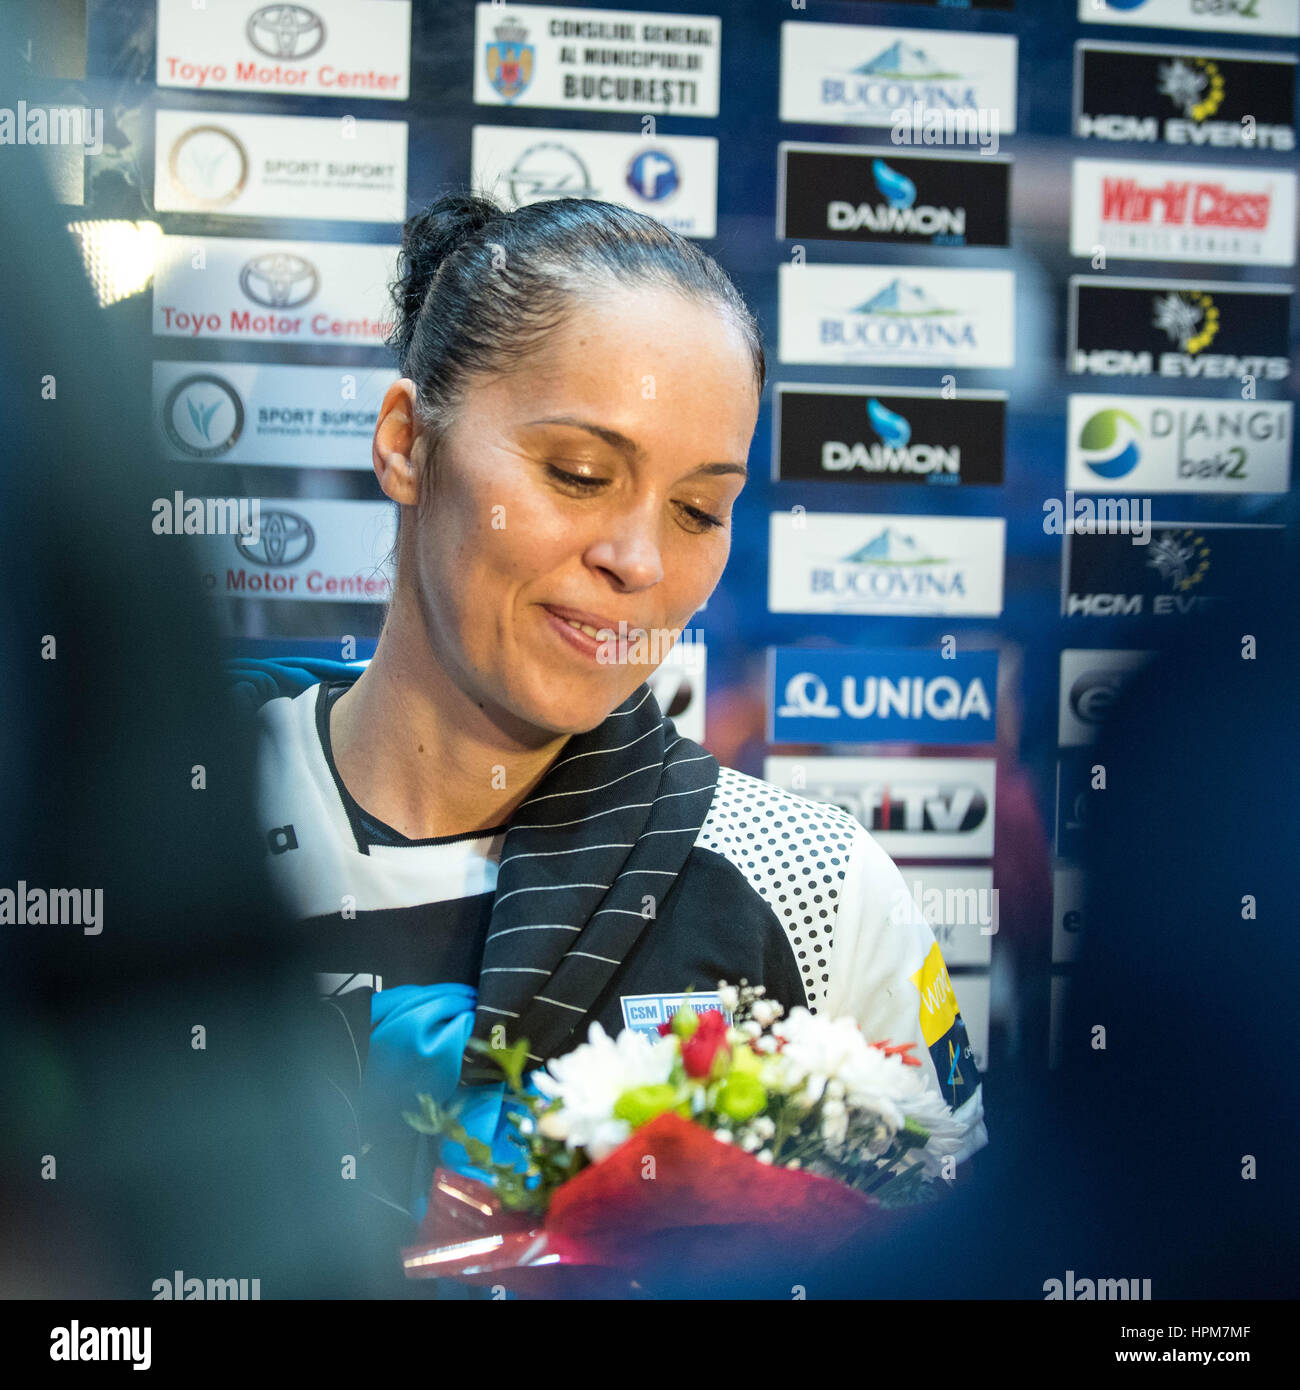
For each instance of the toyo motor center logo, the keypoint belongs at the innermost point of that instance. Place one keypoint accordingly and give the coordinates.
(1109, 440)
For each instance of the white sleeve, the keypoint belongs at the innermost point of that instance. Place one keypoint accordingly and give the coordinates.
(888, 973)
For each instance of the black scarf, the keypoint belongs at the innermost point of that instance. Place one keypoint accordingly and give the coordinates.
(587, 861)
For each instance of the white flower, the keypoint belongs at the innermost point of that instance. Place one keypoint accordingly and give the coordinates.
(835, 1127)
(554, 1124)
(764, 1126)
(818, 1048)
(765, 1012)
(589, 1080)
(723, 1135)
(749, 1141)
(835, 1088)
(764, 1156)
(729, 997)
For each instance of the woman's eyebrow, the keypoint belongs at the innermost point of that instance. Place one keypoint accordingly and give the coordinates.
(629, 448)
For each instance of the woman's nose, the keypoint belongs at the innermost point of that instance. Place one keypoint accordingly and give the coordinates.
(628, 551)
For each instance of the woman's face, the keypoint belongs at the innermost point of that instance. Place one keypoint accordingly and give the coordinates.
(593, 485)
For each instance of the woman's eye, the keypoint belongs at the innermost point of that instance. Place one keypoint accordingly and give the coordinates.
(705, 520)
(579, 480)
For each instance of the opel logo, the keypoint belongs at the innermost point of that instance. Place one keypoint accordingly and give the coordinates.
(279, 280)
(285, 31)
(286, 539)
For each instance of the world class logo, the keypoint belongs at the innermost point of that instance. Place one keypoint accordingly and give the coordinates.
(286, 539)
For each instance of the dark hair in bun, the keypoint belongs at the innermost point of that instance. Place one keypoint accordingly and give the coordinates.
(479, 287)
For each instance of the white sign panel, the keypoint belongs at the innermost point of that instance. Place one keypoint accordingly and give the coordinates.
(1141, 444)
(1145, 211)
(859, 74)
(234, 165)
(915, 808)
(597, 60)
(256, 413)
(679, 686)
(1227, 16)
(324, 552)
(330, 48)
(897, 316)
(273, 291)
(672, 178)
(832, 562)
(961, 908)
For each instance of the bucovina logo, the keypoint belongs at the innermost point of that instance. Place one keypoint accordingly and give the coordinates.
(208, 166)
(894, 568)
(1109, 441)
(510, 60)
(286, 539)
(279, 280)
(203, 416)
(902, 316)
(290, 32)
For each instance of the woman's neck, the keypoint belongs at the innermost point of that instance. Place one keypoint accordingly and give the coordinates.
(419, 753)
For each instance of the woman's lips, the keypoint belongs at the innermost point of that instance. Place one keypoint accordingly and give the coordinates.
(612, 650)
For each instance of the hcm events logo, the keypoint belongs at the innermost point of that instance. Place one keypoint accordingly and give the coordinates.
(911, 316)
(1184, 96)
(829, 562)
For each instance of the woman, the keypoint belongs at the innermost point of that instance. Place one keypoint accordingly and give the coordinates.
(493, 826)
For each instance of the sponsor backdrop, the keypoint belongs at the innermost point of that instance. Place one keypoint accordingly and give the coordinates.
(1025, 269)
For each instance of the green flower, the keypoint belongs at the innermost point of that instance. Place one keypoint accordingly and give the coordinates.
(641, 1104)
(741, 1096)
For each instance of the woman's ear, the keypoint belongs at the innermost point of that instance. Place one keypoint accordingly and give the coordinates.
(392, 450)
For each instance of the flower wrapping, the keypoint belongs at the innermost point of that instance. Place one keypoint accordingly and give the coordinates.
(671, 1198)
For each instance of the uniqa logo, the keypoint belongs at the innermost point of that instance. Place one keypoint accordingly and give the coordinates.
(1111, 435)
(286, 539)
(203, 415)
(909, 697)
(285, 31)
(279, 280)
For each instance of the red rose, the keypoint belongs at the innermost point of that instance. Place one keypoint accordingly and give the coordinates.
(700, 1050)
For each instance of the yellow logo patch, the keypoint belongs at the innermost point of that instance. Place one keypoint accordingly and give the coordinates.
(938, 999)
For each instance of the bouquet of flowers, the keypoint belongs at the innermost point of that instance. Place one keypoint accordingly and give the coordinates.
(717, 1142)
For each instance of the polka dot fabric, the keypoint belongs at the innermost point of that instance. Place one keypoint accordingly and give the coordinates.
(794, 853)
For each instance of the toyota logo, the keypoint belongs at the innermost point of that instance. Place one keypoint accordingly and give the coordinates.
(286, 31)
(286, 539)
(279, 280)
